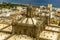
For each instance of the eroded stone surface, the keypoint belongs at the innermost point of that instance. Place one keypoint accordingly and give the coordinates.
(3, 35)
(20, 37)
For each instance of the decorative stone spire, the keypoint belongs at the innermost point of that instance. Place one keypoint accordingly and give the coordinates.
(29, 11)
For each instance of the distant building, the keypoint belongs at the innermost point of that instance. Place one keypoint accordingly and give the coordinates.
(58, 12)
(50, 7)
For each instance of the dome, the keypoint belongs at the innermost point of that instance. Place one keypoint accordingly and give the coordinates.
(29, 24)
(28, 21)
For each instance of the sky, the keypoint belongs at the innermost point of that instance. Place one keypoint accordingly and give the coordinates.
(35, 2)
